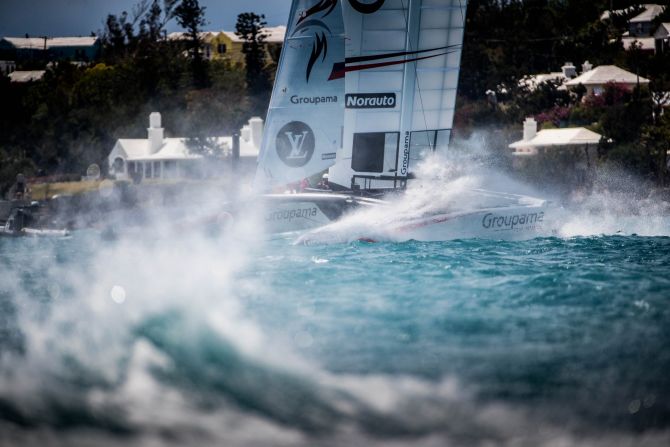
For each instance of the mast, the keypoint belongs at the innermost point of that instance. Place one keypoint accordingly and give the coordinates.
(412, 17)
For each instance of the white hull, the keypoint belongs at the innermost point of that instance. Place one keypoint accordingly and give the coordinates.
(509, 223)
(324, 219)
(34, 232)
(37, 232)
(290, 213)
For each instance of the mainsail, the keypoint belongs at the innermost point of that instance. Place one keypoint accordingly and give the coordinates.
(304, 124)
(401, 74)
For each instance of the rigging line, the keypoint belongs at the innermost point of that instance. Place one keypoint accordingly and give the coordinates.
(416, 75)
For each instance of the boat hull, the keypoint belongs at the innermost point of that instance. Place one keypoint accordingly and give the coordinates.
(322, 218)
(288, 213)
(512, 223)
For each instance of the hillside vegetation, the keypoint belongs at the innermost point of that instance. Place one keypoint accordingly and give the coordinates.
(72, 117)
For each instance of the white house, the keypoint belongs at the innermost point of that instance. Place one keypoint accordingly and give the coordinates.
(556, 156)
(157, 157)
(535, 142)
(595, 80)
(273, 34)
(206, 38)
(568, 71)
(84, 48)
(641, 27)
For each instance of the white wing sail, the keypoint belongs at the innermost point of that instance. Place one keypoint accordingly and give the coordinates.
(303, 129)
(401, 74)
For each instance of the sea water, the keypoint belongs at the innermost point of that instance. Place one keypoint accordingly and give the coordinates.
(206, 340)
(178, 335)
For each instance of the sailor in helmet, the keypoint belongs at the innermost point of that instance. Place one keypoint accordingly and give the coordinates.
(323, 184)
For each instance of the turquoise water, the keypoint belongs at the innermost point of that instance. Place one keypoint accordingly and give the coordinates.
(206, 341)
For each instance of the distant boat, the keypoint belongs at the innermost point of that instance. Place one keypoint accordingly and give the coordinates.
(365, 90)
(19, 224)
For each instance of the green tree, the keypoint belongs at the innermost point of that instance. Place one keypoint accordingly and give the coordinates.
(249, 28)
(218, 110)
(191, 16)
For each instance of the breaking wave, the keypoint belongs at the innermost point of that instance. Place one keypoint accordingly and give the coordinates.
(173, 337)
(616, 204)
(145, 340)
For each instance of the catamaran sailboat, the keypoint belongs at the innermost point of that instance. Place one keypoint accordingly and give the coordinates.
(365, 90)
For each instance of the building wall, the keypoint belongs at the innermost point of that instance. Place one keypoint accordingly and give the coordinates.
(75, 53)
(224, 48)
(6, 67)
(641, 29)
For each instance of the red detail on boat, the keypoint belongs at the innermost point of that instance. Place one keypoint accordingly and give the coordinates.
(340, 72)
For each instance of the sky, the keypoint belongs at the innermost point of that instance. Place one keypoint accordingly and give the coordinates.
(79, 17)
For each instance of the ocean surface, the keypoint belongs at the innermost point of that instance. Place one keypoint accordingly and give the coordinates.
(206, 340)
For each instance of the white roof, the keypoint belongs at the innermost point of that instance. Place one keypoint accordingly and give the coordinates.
(274, 34)
(184, 36)
(38, 42)
(604, 74)
(662, 31)
(645, 43)
(26, 76)
(650, 12)
(560, 137)
(178, 149)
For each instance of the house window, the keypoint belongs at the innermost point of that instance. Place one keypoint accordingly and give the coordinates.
(222, 48)
(118, 165)
(157, 169)
(375, 152)
(148, 171)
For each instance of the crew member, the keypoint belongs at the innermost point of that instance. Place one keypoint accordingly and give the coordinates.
(323, 184)
(21, 190)
(304, 184)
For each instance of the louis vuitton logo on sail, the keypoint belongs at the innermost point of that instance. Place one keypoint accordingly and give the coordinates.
(295, 144)
(370, 101)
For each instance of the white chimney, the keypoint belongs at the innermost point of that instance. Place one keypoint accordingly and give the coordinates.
(587, 66)
(245, 133)
(256, 125)
(529, 129)
(156, 132)
(569, 70)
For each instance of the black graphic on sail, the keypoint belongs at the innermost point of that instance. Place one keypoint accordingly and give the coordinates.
(367, 8)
